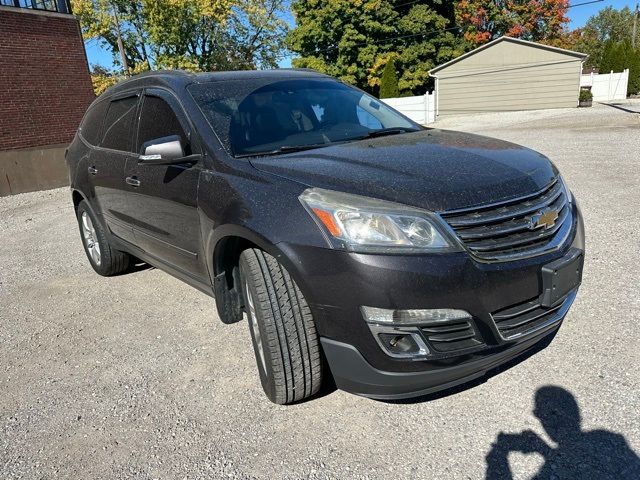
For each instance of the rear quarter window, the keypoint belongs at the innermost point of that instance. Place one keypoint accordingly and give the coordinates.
(118, 124)
(91, 127)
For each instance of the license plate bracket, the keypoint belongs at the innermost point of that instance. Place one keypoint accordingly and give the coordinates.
(561, 277)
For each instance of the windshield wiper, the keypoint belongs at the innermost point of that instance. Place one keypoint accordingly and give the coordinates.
(285, 149)
(388, 131)
(383, 133)
(300, 148)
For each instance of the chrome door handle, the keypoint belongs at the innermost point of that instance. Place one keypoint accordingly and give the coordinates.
(133, 181)
(92, 170)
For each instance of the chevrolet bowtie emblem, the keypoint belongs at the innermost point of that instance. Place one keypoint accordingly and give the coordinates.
(544, 218)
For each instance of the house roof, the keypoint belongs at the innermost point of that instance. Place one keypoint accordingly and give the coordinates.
(581, 56)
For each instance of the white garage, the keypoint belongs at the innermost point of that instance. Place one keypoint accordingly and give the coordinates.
(508, 74)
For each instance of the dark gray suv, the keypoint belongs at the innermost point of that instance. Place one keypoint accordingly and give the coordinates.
(399, 260)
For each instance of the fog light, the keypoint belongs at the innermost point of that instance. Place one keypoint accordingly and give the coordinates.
(403, 342)
(384, 316)
(399, 344)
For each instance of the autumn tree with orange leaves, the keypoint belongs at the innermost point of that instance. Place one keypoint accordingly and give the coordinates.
(536, 20)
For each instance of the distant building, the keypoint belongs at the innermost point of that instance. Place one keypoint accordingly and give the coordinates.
(45, 88)
(508, 74)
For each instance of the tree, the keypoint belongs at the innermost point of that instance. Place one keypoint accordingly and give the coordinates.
(417, 52)
(619, 56)
(534, 20)
(341, 37)
(389, 82)
(101, 78)
(608, 25)
(97, 22)
(189, 34)
(355, 39)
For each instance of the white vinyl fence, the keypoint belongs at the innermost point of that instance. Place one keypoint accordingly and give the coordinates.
(605, 88)
(421, 109)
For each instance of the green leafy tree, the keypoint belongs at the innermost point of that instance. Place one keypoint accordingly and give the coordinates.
(355, 39)
(389, 82)
(609, 24)
(98, 22)
(611, 59)
(619, 56)
(341, 37)
(429, 37)
(188, 34)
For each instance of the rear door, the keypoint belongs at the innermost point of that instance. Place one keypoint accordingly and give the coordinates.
(162, 200)
(108, 161)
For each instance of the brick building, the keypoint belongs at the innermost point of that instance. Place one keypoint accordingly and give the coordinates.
(45, 88)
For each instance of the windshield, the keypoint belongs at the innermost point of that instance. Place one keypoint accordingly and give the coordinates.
(260, 116)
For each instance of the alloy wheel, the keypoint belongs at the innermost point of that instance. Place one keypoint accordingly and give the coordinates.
(90, 238)
(254, 326)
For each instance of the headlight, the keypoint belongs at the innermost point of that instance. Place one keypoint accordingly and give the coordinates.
(364, 224)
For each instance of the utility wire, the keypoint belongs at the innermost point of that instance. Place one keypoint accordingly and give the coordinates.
(584, 3)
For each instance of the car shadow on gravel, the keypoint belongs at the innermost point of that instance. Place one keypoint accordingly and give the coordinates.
(137, 266)
(594, 454)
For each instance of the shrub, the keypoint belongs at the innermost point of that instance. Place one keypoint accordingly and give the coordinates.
(585, 95)
(619, 56)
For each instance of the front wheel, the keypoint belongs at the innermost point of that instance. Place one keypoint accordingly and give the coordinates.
(284, 336)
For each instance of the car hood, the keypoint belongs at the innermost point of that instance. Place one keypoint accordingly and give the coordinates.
(432, 169)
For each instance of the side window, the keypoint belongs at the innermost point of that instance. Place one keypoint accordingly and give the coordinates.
(368, 120)
(118, 124)
(91, 127)
(157, 120)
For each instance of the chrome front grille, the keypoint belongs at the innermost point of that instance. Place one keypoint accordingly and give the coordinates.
(508, 230)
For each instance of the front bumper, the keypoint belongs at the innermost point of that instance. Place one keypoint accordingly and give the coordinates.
(337, 283)
(354, 374)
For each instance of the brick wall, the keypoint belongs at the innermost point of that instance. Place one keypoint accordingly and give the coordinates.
(45, 86)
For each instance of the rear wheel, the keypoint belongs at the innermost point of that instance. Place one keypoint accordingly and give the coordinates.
(284, 336)
(104, 259)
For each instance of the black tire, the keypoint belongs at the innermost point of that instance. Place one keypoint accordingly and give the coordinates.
(110, 261)
(291, 366)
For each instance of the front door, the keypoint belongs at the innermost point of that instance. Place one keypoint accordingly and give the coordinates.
(108, 160)
(162, 200)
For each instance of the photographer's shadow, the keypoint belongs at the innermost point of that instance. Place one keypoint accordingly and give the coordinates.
(595, 454)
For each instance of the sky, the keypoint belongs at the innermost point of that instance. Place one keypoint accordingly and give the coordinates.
(578, 15)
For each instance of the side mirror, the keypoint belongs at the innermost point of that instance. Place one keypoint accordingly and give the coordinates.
(165, 151)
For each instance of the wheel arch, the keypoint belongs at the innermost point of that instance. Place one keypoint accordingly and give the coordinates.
(225, 245)
(77, 197)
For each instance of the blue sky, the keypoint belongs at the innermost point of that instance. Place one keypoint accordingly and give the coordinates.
(578, 16)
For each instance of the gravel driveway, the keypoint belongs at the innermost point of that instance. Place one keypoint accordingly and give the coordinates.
(134, 376)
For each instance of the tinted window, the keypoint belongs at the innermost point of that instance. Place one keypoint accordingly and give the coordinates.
(158, 120)
(91, 127)
(259, 115)
(119, 123)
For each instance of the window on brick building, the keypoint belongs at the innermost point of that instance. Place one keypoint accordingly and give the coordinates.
(118, 124)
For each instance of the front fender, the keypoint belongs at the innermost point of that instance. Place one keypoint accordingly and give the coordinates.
(215, 238)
